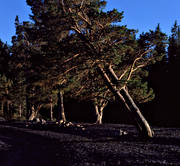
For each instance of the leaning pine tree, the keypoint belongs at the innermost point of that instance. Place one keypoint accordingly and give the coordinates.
(79, 40)
(109, 46)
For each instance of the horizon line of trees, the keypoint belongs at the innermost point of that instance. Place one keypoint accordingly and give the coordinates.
(76, 50)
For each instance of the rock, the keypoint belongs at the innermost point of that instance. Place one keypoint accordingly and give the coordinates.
(43, 121)
(2, 119)
(121, 132)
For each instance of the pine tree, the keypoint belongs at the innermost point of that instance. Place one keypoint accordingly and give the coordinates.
(172, 80)
(174, 44)
(77, 39)
(5, 81)
(46, 38)
(159, 64)
(105, 43)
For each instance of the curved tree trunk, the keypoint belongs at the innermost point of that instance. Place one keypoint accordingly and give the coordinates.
(99, 108)
(99, 114)
(123, 95)
(34, 112)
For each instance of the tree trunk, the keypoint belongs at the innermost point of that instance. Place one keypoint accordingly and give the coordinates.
(8, 110)
(99, 113)
(61, 106)
(51, 109)
(98, 116)
(34, 112)
(143, 125)
(51, 112)
(2, 108)
(123, 95)
(20, 110)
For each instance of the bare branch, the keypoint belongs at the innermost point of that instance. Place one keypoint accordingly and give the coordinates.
(84, 19)
(62, 82)
(104, 103)
(78, 92)
(123, 74)
(112, 72)
(100, 24)
(69, 59)
(140, 66)
(67, 71)
(76, 30)
(134, 63)
(82, 4)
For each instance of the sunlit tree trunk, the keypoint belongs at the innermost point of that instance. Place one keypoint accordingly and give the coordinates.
(34, 112)
(61, 106)
(99, 114)
(99, 108)
(123, 96)
(51, 109)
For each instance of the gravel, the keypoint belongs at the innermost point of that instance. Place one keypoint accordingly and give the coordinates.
(87, 145)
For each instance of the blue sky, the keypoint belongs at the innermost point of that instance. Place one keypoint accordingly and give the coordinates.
(138, 14)
(8, 11)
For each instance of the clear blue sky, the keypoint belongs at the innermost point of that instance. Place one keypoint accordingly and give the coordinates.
(138, 14)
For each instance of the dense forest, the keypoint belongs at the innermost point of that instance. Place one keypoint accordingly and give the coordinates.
(75, 59)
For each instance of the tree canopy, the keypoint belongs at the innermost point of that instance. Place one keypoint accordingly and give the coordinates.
(77, 50)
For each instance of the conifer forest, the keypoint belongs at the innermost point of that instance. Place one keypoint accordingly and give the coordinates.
(75, 61)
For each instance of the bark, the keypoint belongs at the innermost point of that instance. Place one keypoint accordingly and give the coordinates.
(99, 120)
(140, 120)
(2, 108)
(51, 108)
(51, 111)
(98, 115)
(61, 106)
(123, 96)
(8, 109)
(20, 110)
(99, 111)
(34, 112)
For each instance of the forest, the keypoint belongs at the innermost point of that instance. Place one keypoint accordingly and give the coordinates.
(73, 55)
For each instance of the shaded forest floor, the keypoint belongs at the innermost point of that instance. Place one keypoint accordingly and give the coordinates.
(107, 144)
